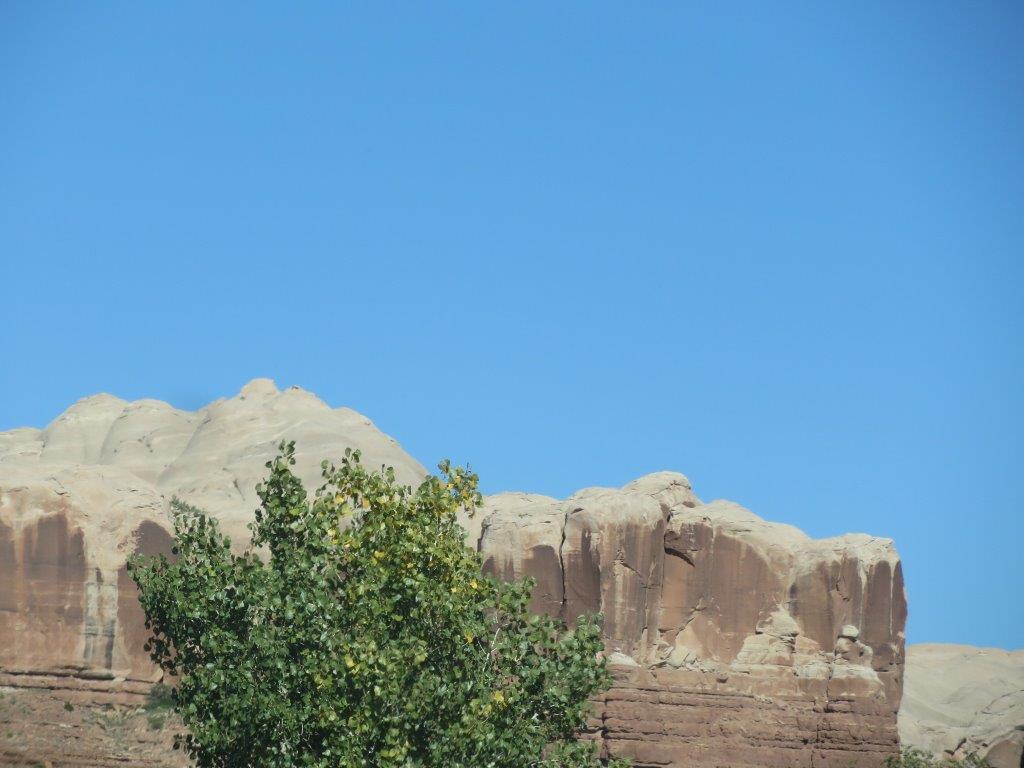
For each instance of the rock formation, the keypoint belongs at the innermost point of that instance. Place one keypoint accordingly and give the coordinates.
(81, 496)
(735, 641)
(960, 699)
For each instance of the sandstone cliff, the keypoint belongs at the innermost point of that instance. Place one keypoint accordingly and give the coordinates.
(962, 699)
(738, 641)
(79, 497)
(735, 641)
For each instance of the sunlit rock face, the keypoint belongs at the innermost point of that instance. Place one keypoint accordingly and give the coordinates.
(78, 498)
(734, 641)
(960, 699)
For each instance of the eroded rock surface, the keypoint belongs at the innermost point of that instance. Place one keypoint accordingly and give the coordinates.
(81, 496)
(960, 699)
(735, 641)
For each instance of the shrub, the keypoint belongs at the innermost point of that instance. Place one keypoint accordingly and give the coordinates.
(916, 758)
(161, 696)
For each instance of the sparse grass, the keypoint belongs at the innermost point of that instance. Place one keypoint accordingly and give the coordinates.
(916, 758)
(109, 719)
(159, 704)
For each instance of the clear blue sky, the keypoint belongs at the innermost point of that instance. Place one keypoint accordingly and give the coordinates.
(777, 247)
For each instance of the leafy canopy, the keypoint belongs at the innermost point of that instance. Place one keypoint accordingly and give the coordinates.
(365, 636)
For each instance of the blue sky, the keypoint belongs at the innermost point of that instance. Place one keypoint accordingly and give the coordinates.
(775, 247)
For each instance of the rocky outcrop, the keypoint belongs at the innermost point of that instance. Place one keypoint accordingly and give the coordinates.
(960, 699)
(78, 498)
(735, 641)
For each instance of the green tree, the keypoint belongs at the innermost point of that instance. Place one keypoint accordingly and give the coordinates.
(363, 634)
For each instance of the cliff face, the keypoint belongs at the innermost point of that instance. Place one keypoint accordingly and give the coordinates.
(78, 498)
(735, 641)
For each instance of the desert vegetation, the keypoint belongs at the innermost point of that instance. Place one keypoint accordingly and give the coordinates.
(916, 758)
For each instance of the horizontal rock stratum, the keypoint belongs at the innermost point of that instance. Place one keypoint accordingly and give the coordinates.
(735, 641)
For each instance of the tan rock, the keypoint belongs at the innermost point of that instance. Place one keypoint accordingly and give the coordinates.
(960, 699)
